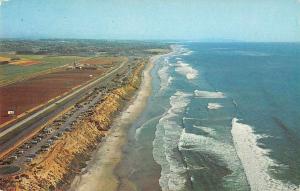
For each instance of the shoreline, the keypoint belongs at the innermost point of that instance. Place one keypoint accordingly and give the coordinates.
(100, 171)
(131, 167)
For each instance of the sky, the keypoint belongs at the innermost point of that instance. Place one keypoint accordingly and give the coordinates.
(196, 20)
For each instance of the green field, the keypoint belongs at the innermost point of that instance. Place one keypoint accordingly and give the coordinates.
(11, 73)
(55, 53)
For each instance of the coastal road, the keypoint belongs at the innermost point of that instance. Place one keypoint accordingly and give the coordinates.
(22, 129)
(57, 129)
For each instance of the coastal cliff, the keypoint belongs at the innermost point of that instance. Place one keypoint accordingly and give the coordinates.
(55, 169)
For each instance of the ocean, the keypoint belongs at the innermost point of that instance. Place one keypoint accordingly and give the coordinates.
(221, 116)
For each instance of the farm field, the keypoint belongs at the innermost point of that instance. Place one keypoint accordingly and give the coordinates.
(31, 65)
(105, 60)
(34, 72)
(25, 95)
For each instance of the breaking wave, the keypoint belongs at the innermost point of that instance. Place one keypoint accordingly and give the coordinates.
(187, 53)
(165, 152)
(255, 160)
(223, 151)
(214, 106)
(186, 70)
(181, 50)
(207, 94)
(207, 130)
(165, 79)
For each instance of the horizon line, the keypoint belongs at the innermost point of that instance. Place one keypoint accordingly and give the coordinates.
(141, 40)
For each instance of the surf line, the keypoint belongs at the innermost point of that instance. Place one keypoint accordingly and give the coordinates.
(255, 160)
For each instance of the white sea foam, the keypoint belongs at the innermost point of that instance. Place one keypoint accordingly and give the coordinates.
(165, 79)
(214, 106)
(207, 94)
(166, 140)
(206, 119)
(225, 152)
(196, 142)
(255, 160)
(186, 70)
(181, 50)
(187, 53)
(207, 130)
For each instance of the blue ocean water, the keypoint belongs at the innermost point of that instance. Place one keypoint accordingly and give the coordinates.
(222, 116)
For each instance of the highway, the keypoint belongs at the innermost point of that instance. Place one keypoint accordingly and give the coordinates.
(18, 132)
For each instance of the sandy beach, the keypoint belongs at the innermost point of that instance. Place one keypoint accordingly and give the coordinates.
(99, 173)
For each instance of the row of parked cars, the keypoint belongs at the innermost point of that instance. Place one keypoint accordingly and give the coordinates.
(45, 139)
(27, 151)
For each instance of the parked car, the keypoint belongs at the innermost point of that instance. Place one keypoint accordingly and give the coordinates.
(19, 152)
(29, 159)
(44, 149)
(34, 142)
(31, 155)
(13, 157)
(26, 146)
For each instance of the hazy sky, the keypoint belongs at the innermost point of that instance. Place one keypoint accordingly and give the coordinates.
(245, 20)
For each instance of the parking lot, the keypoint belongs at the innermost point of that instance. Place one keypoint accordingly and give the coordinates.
(44, 140)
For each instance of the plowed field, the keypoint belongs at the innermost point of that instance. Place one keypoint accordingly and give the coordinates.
(25, 95)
